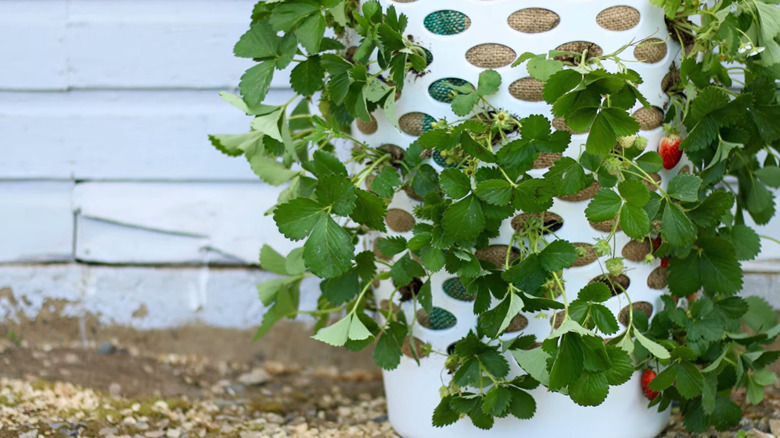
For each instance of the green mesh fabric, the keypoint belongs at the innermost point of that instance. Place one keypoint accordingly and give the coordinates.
(446, 22)
(441, 90)
(441, 319)
(426, 123)
(428, 56)
(455, 289)
(441, 161)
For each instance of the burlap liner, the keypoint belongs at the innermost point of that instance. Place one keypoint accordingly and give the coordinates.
(557, 319)
(559, 123)
(589, 257)
(649, 118)
(388, 306)
(618, 18)
(552, 222)
(379, 253)
(584, 195)
(496, 254)
(455, 289)
(685, 169)
(650, 51)
(399, 220)
(415, 123)
(527, 89)
(447, 22)
(637, 250)
(396, 152)
(518, 323)
(406, 348)
(441, 90)
(490, 55)
(594, 51)
(639, 306)
(604, 227)
(650, 186)
(671, 80)
(545, 160)
(658, 278)
(367, 128)
(617, 284)
(533, 20)
(412, 194)
(439, 319)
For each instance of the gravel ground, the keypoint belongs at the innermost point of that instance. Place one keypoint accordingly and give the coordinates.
(110, 391)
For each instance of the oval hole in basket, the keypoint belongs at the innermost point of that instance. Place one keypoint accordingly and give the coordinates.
(455, 289)
(618, 18)
(617, 284)
(415, 123)
(447, 22)
(439, 319)
(550, 221)
(490, 55)
(533, 20)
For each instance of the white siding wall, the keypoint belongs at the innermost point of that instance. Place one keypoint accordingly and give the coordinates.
(105, 107)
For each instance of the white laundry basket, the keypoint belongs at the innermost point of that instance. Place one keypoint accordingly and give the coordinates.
(491, 34)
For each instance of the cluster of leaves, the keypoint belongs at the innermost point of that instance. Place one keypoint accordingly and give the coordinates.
(489, 177)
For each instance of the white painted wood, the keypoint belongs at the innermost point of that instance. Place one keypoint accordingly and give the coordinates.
(36, 221)
(120, 135)
(33, 44)
(159, 297)
(124, 44)
(159, 223)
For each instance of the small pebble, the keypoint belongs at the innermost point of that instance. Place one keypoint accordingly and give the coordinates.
(106, 348)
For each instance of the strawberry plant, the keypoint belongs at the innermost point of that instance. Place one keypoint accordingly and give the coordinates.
(470, 174)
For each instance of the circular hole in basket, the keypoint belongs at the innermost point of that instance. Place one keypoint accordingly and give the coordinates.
(412, 194)
(546, 160)
(637, 250)
(415, 123)
(584, 195)
(447, 22)
(533, 20)
(559, 123)
(527, 89)
(419, 348)
(618, 18)
(650, 186)
(578, 47)
(658, 279)
(518, 323)
(650, 51)
(550, 221)
(671, 80)
(496, 254)
(617, 284)
(454, 288)
(604, 227)
(399, 220)
(410, 290)
(649, 118)
(589, 257)
(396, 152)
(490, 55)
(439, 319)
(441, 160)
(639, 306)
(442, 90)
(367, 128)
(557, 319)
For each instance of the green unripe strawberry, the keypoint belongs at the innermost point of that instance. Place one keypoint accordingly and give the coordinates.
(615, 266)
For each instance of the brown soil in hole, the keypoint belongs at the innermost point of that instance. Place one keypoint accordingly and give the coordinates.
(519, 322)
(584, 195)
(551, 221)
(419, 345)
(590, 254)
(496, 254)
(639, 306)
(636, 250)
(617, 284)
(658, 279)
(605, 227)
(399, 220)
(410, 290)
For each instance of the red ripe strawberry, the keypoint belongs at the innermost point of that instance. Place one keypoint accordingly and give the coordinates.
(648, 377)
(657, 243)
(669, 149)
(664, 263)
(692, 297)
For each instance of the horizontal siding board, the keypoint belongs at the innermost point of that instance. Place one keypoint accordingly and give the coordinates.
(36, 221)
(89, 44)
(120, 135)
(175, 223)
